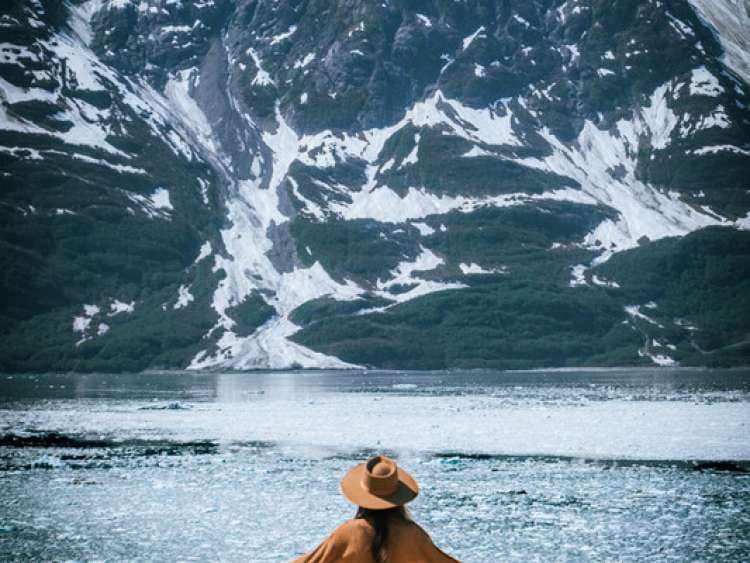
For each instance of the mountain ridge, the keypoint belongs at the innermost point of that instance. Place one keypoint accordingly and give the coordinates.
(344, 181)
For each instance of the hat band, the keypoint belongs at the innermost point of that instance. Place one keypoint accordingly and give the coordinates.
(380, 486)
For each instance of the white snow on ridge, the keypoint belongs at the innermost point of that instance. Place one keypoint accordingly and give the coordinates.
(82, 323)
(467, 41)
(177, 91)
(424, 229)
(205, 251)
(160, 200)
(80, 18)
(385, 205)
(730, 21)
(474, 268)
(634, 311)
(578, 273)
(117, 307)
(659, 118)
(486, 125)
(713, 149)
(703, 83)
(644, 211)
(252, 211)
(604, 283)
(743, 222)
(262, 78)
(404, 275)
(283, 36)
(157, 206)
(424, 20)
(184, 297)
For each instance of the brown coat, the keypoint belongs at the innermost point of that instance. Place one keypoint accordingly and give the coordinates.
(351, 543)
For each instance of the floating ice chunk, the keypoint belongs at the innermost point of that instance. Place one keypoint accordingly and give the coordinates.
(103, 328)
(602, 72)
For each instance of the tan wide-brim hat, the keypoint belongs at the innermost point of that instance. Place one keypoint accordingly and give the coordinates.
(378, 484)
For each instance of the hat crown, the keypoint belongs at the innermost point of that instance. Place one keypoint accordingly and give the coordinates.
(380, 476)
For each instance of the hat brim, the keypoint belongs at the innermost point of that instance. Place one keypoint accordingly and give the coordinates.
(352, 489)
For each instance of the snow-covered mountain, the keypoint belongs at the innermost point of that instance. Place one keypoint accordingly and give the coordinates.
(406, 183)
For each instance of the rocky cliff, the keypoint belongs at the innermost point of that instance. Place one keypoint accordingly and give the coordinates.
(404, 184)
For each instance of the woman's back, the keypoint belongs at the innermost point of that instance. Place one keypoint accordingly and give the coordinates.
(352, 542)
(382, 531)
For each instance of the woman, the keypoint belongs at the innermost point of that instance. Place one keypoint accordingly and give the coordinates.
(381, 531)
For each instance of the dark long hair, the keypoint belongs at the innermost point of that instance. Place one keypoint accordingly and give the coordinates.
(379, 519)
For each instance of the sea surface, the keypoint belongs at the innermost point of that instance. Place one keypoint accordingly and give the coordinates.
(626, 465)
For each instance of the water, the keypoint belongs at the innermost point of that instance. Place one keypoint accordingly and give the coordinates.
(566, 465)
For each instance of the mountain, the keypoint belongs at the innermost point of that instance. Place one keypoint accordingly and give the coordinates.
(409, 184)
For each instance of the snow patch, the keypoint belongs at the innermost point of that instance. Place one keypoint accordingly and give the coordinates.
(703, 83)
(468, 40)
(578, 275)
(205, 252)
(283, 36)
(424, 229)
(473, 268)
(405, 275)
(82, 323)
(730, 21)
(184, 297)
(117, 307)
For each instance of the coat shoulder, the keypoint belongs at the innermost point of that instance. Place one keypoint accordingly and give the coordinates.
(354, 529)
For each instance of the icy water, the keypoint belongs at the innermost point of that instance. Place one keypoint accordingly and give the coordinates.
(562, 465)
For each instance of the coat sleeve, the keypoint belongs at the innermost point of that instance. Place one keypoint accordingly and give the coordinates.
(326, 552)
(431, 552)
(340, 547)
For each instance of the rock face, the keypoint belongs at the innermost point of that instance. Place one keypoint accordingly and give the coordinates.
(404, 184)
